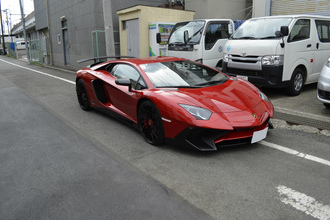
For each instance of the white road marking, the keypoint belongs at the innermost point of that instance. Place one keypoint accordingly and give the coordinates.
(304, 203)
(296, 153)
(46, 74)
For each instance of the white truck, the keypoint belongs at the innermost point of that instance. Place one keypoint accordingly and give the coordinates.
(201, 40)
(279, 51)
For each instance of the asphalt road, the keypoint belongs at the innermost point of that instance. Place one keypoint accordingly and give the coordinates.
(57, 161)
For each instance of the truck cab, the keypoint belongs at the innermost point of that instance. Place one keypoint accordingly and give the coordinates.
(201, 40)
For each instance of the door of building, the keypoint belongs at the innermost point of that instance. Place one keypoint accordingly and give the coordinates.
(133, 38)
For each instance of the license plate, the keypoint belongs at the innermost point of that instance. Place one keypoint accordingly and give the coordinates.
(243, 77)
(259, 135)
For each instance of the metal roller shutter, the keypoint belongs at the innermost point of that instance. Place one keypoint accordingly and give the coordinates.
(285, 7)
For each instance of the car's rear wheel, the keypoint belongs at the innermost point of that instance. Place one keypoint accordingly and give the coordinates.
(82, 95)
(150, 123)
(296, 82)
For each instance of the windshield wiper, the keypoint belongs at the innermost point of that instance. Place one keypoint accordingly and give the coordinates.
(248, 38)
(212, 82)
(269, 37)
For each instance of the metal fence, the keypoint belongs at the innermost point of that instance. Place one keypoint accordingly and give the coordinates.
(36, 52)
(99, 45)
(10, 46)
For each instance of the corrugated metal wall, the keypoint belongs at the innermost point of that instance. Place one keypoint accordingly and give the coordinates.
(284, 7)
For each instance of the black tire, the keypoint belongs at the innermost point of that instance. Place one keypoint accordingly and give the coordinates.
(296, 82)
(327, 105)
(82, 95)
(150, 123)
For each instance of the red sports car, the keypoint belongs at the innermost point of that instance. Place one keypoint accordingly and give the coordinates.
(179, 99)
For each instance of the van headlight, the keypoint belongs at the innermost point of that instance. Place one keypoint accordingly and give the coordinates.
(272, 60)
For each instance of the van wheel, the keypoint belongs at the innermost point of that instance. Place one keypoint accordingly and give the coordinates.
(296, 82)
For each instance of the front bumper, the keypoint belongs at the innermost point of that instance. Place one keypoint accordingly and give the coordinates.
(268, 76)
(205, 139)
(323, 85)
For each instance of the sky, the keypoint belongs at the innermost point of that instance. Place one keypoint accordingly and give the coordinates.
(14, 12)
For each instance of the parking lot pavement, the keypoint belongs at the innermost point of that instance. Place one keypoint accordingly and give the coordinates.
(50, 171)
(304, 109)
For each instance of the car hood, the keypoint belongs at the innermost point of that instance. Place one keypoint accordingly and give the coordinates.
(231, 96)
(253, 47)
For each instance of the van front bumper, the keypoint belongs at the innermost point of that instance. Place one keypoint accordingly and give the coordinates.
(268, 76)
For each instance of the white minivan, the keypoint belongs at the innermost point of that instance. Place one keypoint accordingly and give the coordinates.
(279, 51)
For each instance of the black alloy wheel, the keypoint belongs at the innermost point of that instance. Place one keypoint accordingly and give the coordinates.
(150, 123)
(82, 95)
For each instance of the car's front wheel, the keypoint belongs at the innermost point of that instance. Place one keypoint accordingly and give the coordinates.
(82, 95)
(150, 123)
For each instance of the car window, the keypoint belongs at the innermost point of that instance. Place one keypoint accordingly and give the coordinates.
(124, 71)
(323, 30)
(182, 73)
(300, 30)
(214, 32)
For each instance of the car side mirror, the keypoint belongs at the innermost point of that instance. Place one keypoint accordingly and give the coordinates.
(284, 30)
(185, 36)
(124, 82)
(158, 38)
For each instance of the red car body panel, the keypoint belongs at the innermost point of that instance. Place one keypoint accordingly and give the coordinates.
(235, 104)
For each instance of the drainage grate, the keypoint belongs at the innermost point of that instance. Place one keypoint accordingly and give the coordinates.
(295, 119)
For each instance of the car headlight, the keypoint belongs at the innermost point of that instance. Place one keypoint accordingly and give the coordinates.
(226, 58)
(328, 62)
(263, 96)
(272, 60)
(197, 112)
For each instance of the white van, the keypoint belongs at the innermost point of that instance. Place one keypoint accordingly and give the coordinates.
(20, 45)
(201, 40)
(279, 51)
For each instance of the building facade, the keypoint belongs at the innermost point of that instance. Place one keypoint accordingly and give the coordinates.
(68, 26)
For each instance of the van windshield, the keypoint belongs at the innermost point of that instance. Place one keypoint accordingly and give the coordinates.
(194, 29)
(260, 28)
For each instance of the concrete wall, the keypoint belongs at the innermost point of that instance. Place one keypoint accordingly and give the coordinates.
(235, 10)
(147, 15)
(83, 17)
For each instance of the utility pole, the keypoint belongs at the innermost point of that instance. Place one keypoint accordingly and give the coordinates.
(24, 33)
(3, 38)
(108, 28)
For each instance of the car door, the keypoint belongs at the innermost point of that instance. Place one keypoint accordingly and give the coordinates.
(299, 49)
(322, 45)
(215, 38)
(121, 97)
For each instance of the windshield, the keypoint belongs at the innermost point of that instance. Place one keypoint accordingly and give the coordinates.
(194, 29)
(182, 74)
(260, 28)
